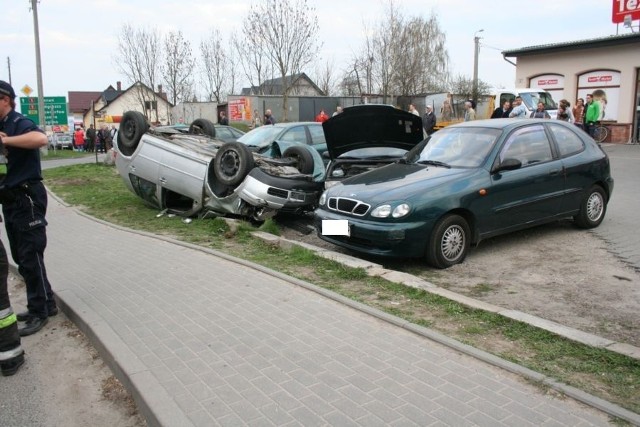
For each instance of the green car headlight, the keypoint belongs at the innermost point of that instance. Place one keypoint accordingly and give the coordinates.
(401, 210)
(384, 211)
(381, 211)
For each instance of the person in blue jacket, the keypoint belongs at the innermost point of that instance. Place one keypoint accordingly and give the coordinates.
(24, 205)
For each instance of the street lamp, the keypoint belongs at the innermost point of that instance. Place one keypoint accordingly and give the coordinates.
(476, 41)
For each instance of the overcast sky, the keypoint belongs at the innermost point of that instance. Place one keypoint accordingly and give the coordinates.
(78, 38)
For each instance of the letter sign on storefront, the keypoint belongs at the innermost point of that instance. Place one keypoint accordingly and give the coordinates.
(621, 8)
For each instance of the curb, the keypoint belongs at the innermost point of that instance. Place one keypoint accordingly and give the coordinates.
(406, 279)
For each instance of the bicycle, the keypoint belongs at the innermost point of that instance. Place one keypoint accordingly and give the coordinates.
(600, 133)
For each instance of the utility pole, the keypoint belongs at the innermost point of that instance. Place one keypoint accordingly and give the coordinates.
(9, 69)
(36, 33)
(476, 41)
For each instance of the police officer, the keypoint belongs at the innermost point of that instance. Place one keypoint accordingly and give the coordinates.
(24, 205)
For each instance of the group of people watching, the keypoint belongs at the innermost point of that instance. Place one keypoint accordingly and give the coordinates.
(584, 116)
(100, 141)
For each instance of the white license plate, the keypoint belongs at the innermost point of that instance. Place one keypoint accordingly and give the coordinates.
(335, 227)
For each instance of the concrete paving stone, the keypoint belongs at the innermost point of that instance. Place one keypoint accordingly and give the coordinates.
(384, 412)
(449, 417)
(491, 410)
(285, 401)
(452, 389)
(186, 376)
(361, 383)
(238, 382)
(390, 399)
(339, 419)
(216, 408)
(490, 396)
(349, 408)
(371, 420)
(418, 415)
(455, 404)
(306, 417)
(355, 394)
(230, 420)
(481, 419)
(201, 418)
(318, 405)
(186, 402)
(256, 397)
(331, 380)
(523, 410)
(276, 415)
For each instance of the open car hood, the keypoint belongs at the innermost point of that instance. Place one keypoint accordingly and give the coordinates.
(363, 126)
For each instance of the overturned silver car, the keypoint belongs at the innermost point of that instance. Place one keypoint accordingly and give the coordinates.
(194, 174)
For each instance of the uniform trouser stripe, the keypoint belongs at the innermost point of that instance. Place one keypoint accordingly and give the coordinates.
(10, 354)
(5, 312)
(8, 321)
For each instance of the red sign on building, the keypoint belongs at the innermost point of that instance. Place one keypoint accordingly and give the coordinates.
(622, 8)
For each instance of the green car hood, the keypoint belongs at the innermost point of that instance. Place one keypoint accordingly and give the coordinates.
(397, 181)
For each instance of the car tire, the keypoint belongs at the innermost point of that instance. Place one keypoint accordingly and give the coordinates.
(202, 127)
(232, 163)
(449, 242)
(132, 126)
(592, 208)
(303, 158)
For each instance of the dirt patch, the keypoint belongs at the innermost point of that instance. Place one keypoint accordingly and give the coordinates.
(556, 272)
(64, 380)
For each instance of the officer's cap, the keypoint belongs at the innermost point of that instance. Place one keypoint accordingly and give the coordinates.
(6, 89)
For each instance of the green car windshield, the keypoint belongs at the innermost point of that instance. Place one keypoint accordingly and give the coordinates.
(465, 147)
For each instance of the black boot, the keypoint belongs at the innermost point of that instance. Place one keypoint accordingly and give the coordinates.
(11, 353)
(13, 359)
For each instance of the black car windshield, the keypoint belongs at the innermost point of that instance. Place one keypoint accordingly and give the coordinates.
(260, 137)
(456, 147)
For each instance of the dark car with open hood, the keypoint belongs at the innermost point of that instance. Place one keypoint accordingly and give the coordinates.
(466, 183)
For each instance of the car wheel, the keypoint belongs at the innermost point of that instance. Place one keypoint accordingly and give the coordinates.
(132, 126)
(303, 158)
(202, 127)
(232, 163)
(592, 208)
(449, 242)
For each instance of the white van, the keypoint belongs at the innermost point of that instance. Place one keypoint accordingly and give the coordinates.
(530, 98)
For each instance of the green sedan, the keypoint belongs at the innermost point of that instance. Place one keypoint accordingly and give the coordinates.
(466, 183)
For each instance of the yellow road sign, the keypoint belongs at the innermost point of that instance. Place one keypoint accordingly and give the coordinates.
(26, 90)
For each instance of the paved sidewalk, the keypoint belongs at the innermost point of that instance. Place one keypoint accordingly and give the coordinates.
(201, 339)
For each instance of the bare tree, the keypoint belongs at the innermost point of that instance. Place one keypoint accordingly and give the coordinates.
(138, 58)
(178, 67)
(325, 77)
(463, 86)
(253, 60)
(214, 66)
(285, 32)
(403, 56)
(421, 60)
